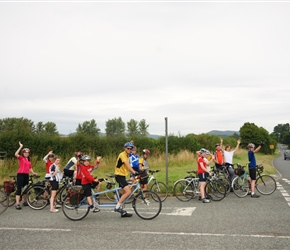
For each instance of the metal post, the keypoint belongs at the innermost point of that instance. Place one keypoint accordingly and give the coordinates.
(166, 148)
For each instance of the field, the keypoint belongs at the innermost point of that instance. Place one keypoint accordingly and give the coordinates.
(177, 165)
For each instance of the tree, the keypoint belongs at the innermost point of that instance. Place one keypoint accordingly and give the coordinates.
(17, 125)
(132, 127)
(251, 133)
(282, 133)
(39, 128)
(143, 128)
(50, 128)
(115, 127)
(89, 128)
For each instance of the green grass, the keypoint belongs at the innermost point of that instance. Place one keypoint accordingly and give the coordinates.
(177, 165)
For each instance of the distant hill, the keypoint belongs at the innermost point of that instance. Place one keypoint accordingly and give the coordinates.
(225, 133)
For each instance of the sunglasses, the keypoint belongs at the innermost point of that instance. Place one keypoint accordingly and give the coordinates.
(129, 148)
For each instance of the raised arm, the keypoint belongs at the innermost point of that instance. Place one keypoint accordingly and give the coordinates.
(18, 150)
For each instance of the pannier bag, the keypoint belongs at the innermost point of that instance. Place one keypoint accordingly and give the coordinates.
(76, 194)
(239, 171)
(9, 186)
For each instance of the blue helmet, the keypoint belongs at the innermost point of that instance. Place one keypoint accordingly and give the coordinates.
(129, 144)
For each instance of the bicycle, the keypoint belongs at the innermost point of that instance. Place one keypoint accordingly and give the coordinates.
(188, 188)
(157, 187)
(39, 197)
(4, 201)
(110, 183)
(11, 196)
(265, 184)
(146, 208)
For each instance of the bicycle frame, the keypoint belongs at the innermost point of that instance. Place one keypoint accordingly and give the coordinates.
(136, 186)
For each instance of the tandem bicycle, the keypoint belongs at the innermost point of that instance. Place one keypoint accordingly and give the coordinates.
(146, 204)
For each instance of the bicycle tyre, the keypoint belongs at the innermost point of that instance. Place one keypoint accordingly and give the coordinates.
(266, 184)
(74, 212)
(147, 210)
(183, 190)
(61, 195)
(37, 197)
(241, 186)
(110, 195)
(216, 190)
(161, 189)
(4, 201)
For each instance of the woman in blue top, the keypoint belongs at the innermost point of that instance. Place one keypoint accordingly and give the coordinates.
(252, 167)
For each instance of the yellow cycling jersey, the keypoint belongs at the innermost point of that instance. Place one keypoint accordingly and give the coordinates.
(121, 168)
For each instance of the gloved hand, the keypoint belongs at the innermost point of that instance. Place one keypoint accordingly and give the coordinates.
(262, 144)
(136, 173)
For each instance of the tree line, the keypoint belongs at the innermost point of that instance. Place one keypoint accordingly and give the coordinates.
(42, 137)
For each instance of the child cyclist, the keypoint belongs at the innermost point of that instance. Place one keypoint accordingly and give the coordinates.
(88, 181)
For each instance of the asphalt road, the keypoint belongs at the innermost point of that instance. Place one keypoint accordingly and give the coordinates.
(233, 223)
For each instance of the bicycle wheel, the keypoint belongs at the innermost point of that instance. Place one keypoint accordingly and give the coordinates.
(37, 197)
(241, 186)
(161, 189)
(12, 198)
(110, 195)
(75, 212)
(227, 183)
(184, 190)
(4, 201)
(147, 205)
(216, 189)
(61, 193)
(266, 184)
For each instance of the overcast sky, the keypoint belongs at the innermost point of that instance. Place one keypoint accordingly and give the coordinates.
(206, 66)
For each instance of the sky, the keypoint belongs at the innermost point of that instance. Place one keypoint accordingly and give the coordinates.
(205, 65)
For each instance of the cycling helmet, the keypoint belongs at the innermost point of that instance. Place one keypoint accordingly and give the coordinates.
(251, 145)
(85, 158)
(26, 150)
(50, 155)
(78, 154)
(202, 150)
(207, 152)
(146, 151)
(129, 144)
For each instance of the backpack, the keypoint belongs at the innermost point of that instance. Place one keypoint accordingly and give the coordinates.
(75, 194)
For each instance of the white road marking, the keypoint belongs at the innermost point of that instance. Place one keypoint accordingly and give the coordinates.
(35, 229)
(217, 235)
(183, 211)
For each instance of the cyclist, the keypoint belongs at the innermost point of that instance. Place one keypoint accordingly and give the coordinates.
(228, 158)
(144, 169)
(23, 173)
(122, 169)
(218, 155)
(203, 174)
(252, 166)
(48, 160)
(88, 181)
(55, 177)
(70, 168)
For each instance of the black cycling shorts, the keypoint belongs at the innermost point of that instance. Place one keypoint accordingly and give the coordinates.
(121, 180)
